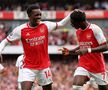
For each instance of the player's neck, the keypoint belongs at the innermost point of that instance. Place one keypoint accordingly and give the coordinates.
(32, 24)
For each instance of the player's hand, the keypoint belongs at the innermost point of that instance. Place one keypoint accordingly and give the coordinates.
(81, 51)
(65, 51)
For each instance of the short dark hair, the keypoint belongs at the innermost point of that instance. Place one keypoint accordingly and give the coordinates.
(78, 16)
(31, 7)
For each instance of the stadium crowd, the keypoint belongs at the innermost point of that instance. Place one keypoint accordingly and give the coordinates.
(20, 5)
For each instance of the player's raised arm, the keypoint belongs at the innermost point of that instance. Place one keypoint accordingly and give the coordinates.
(64, 22)
(52, 26)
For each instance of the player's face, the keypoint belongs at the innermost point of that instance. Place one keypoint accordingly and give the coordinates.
(35, 15)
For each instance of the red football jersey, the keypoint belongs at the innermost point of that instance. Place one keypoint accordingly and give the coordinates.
(35, 44)
(91, 37)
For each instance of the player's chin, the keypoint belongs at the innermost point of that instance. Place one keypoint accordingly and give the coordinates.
(37, 19)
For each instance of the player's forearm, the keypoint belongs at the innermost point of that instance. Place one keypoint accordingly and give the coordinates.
(64, 22)
(76, 48)
(100, 48)
(3, 44)
(72, 52)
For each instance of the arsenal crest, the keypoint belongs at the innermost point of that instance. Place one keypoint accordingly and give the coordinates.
(88, 36)
(42, 30)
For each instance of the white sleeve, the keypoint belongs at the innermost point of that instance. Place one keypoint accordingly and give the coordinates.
(14, 35)
(98, 33)
(54, 25)
(51, 25)
(64, 22)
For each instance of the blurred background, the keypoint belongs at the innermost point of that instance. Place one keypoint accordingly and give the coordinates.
(12, 14)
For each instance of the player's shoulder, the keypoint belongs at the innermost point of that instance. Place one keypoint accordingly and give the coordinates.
(94, 26)
(50, 25)
(20, 27)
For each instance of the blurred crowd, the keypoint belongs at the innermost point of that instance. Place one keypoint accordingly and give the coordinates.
(3, 31)
(21, 5)
(62, 72)
(62, 37)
